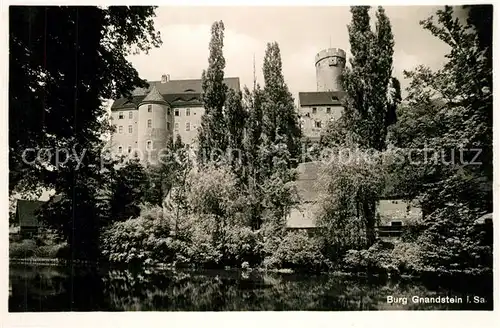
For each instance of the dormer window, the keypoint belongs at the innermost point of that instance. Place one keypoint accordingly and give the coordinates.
(120, 115)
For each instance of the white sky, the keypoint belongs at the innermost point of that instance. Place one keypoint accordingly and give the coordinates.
(300, 31)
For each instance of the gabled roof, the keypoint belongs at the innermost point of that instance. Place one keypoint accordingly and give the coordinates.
(174, 90)
(320, 98)
(26, 212)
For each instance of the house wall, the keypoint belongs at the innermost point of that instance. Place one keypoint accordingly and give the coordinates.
(125, 138)
(309, 115)
(194, 120)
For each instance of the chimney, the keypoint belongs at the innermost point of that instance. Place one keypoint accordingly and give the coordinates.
(168, 77)
(164, 78)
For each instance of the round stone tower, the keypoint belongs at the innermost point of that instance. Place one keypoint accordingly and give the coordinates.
(330, 64)
(152, 127)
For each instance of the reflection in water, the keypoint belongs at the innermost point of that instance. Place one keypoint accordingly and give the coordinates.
(40, 288)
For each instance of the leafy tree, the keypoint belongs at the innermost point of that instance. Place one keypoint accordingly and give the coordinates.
(279, 114)
(128, 191)
(448, 124)
(449, 114)
(366, 82)
(235, 122)
(347, 202)
(58, 104)
(211, 195)
(212, 133)
(372, 97)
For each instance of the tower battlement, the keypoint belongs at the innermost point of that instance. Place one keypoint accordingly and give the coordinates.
(331, 52)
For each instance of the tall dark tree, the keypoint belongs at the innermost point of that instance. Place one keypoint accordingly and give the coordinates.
(280, 118)
(367, 81)
(236, 117)
(212, 133)
(128, 191)
(63, 62)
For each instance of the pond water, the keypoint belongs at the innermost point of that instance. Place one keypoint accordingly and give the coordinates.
(36, 288)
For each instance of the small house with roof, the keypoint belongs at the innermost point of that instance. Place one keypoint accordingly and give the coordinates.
(27, 216)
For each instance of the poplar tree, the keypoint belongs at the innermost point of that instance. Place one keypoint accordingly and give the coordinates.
(212, 133)
(235, 116)
(280, 119)
(367, 82)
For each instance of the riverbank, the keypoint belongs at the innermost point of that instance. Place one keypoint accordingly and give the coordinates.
(162, 267)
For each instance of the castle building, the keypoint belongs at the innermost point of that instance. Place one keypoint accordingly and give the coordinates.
(318, 108)
(167, 108)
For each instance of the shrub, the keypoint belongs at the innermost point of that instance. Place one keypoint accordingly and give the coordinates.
(299, 252)
(140, 240)
(24, 249)
(452, 242)
(384, 257)
(242, 245)
(49, 251)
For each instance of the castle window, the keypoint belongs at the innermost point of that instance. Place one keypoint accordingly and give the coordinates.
(328, 110)
(150, 108)
(149, 144)
(168, 126)
(130, 129)
(188, 111)
(130, 115)
(120, 149)
(129, 149)
(168, 111)
(150, 123)
(314, 110)
(120, 129)
(120, 115)
(177, 112)
(188, 126)
(176, 126)
(317, 124)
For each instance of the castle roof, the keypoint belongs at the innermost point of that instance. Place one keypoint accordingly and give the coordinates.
(154, 96)
(320, 98)
(177, 93)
